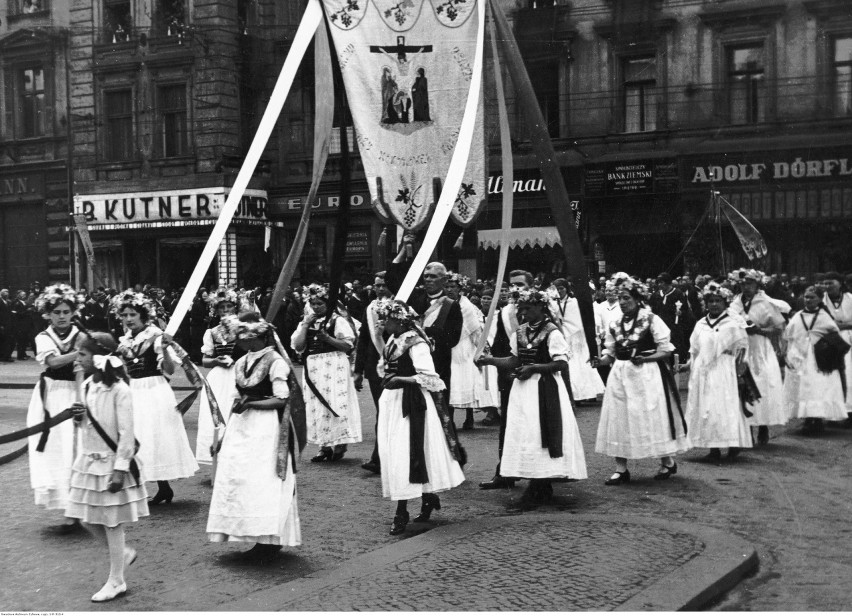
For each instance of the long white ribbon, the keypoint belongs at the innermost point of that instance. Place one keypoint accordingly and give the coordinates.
(458, 164)
(310, 20)
(508, 180)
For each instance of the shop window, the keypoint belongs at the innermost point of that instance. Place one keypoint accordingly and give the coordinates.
(342, 121)
(174, 138)
(118, 125)
(117, 21)
(746, 85)
(639, 94)
(545, 82)
(842, 76)
(30, 95)
(27, 7)
(170, 17)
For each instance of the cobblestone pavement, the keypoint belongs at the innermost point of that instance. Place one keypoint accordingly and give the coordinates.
(789, 499)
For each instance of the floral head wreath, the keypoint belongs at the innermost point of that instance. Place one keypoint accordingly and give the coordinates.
(392, 309)
(57, 294)
(609, 286)
(134, 300)
(633, 284)
(616, 277)
(534, 296)
(318, 290)
(742, 274)
(714, 288)
(460, 279)
(246, 330)
(222, 295)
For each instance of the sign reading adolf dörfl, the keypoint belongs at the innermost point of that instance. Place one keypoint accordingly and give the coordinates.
(164, 208)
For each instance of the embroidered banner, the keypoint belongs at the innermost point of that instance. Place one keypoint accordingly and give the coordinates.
(407, 67)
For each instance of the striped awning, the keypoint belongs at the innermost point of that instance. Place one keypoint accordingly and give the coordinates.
(520, 238)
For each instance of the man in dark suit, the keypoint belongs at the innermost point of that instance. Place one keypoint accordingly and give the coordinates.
(95, 312)
(371, 344)
(7, 339)
(670, 304)
(21, 323)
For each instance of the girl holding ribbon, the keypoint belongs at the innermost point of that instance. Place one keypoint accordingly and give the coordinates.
(51, 453)
(165, 450)
(107, 489)
(331, 401)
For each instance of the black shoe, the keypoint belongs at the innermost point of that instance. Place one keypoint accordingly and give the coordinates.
(618, 478)
(762, 435)
(493, 419)
(666, 472)
(400, 521)
(498, 483)
(468, 424)
(372, 467)
(164, 494)
(430, 502)
(733, 452)
(323, 456)
(337, 455)
(714, 456)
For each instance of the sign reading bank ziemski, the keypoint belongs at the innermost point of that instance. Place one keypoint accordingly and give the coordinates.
(166, 208)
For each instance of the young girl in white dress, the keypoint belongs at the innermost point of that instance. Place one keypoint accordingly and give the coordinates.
(220, 351)
(51, 456)
(331, 401)
(164, 447)
(107, 488)
(717, 347)
(810, 393)
(254, 496)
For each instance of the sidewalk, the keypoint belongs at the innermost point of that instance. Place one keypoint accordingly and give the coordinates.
(579, 562)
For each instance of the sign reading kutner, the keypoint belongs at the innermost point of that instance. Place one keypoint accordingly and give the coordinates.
(164, 208)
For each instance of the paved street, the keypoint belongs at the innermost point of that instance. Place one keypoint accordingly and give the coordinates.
(604, 544)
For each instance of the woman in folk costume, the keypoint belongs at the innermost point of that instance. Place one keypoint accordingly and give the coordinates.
(164, 447)
(52, 454)
(254, 497)
(641, 416)
(542, 440)
(809, 392)
(765, 322)
(717, 348)
(219, 351)
(586, 383)
(107, 488)
(418, 447)
(609, 311)
(468, 389)
(326, 339)
(839, 305)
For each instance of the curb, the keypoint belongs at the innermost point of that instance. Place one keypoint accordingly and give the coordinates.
(724, 561)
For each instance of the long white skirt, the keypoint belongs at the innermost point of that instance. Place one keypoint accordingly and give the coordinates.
(225, 391)
(847, 336)
(487, 388)
(763, 363)
(465, 375)
(164, 448)
(811, 393)
(634, 419)
(713, 412)
(250, 502)
(50, 470)
(586, 383)
(392, 436)
(332, 375)
(523, 455)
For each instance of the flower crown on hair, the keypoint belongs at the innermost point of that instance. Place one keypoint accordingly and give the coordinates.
(739, 275)
(388, 308)
(609, 286)
(318, 290)
(619, 276)
(534, 296)
(633, 284)
(134, 300)
(224, 294)
(246, 330)
(57, 294)
(714, 288)
(460, 279)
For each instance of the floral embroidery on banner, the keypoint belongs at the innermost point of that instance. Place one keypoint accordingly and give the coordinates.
(453, 13)
(399, 15)
(346, 14)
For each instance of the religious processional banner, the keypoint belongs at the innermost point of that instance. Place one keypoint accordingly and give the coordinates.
(407, 67)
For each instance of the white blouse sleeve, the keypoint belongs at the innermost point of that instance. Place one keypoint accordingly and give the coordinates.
(343, 330)
(424, 367)
(278, 373)
(662, 335)
(45, 347)
(208, 347)
(558, 347)
(609, 341)
(513, 344)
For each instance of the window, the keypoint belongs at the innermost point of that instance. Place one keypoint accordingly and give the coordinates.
(171, 17)
(545, 82)
(746, 88)
(843, 76)
(31, 102)
(639, 92)
(118, 125)
(173, 125)
(117, 21)
(26, 7)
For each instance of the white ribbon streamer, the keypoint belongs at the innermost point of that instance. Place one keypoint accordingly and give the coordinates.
(310, 20)
(458, 164)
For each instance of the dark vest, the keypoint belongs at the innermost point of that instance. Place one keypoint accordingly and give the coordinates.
(144, 365)
(317, 347)
(66, 372)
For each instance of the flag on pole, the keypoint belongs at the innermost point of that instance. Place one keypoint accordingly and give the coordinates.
(750, 238)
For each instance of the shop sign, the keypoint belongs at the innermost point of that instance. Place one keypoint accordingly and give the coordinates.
(767, 168)
(16, 187)
(523, 181)
(617, 178)
(358, 243)
(323, 203)
(167, 207)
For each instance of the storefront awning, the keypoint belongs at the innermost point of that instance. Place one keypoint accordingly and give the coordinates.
(520, 238)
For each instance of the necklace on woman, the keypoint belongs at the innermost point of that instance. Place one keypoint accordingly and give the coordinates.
(536, 333)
